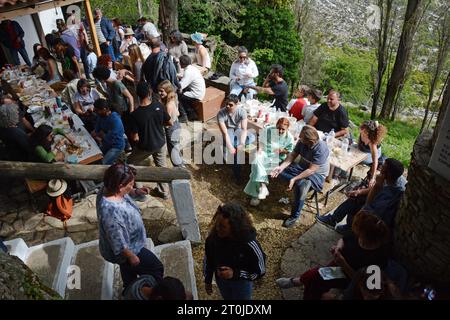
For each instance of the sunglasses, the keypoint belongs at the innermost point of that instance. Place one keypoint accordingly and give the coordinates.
(242, 58)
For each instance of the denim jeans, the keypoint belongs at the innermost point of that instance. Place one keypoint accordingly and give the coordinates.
(238, 158)
(235, 289)
(23, 53)
(111, 156)
(369, 160)
(173, 144)
(301, 189)
(108, 49)
(236, 88)
(349, 208)
(149, 264)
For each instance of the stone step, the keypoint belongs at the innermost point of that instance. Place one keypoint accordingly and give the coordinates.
(179, 263)
(96, 274)
(116, 286)
(50, 261)
(17, 247)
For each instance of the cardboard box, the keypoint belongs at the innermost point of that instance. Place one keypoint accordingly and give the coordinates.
(211, 104)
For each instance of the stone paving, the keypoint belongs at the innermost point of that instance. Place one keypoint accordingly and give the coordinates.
(21, 216)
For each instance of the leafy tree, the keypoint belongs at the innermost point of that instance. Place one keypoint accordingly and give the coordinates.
(274, 29)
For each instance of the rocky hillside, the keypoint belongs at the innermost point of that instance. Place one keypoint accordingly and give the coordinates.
(345, 21)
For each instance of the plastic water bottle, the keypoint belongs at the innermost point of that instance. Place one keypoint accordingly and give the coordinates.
(243, 99)
(330, 137)
(344, 146)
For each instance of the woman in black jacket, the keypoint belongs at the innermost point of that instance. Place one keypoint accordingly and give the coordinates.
(233, 254)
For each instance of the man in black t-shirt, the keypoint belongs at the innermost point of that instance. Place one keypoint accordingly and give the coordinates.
(331, 116)
(275, 85)
(147, 133)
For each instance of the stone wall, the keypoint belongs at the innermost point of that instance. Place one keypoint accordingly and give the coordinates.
(422, 237)
(22, 217)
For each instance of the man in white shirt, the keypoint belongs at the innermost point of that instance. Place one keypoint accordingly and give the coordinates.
(193, 89)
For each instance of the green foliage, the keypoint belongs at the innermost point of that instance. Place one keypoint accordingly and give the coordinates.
(125, 10)
(218, 17)
(195, 15)
(348, 71)
(263, 59)
(224, 55)
(399, 140)
(273, 29)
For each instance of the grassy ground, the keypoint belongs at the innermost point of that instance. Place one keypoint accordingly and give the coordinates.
(400, 138)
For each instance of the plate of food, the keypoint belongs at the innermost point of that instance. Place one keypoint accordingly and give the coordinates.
(73, 149)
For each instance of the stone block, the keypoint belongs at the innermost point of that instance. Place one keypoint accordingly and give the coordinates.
(179, 263)
(170, 234)
(17, 247)
(184, 208)
(8, 218)
(77, 225)
(50, 261)
(33, 221)
(96, 274)
(6, 230)
(54, 222)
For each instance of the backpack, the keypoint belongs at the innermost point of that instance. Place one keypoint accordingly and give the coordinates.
(163, 70)
(60, 208)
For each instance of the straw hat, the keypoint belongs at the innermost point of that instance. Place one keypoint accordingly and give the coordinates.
(56, 187)
(129, 32)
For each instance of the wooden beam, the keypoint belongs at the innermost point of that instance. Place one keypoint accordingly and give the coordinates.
(35, 8)
(90, 19)
(39, 29)
(47, 171)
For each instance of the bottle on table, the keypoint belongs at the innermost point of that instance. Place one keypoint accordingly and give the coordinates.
(330, 137)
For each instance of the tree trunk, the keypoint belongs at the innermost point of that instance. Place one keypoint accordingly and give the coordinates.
(168, 17)
(444, 44)
(382, 53)
(139, 4)
(414, 12)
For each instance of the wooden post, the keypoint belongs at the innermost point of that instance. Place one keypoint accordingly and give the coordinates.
(90, 17)
(39, 29)
(183, 203)
(47, 171)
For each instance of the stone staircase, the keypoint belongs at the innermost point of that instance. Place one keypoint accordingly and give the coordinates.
(58, 262)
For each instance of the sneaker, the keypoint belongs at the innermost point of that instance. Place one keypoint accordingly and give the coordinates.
(289, 222)
(343, 229)
(159, 194)
(263, 192)
(254, 202)
(327, 220)
(285, 283)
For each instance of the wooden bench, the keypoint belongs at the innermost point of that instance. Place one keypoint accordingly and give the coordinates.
(210, 104)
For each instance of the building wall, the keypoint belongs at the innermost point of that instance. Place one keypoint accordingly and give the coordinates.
(48, 22)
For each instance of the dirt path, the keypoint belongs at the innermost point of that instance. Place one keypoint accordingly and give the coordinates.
(212, 185)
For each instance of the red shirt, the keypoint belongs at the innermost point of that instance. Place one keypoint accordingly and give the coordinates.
(296, 110)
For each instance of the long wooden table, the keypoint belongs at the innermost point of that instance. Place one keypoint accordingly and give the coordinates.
(35, 92)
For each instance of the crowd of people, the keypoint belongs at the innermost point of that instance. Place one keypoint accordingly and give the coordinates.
(132, 99)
